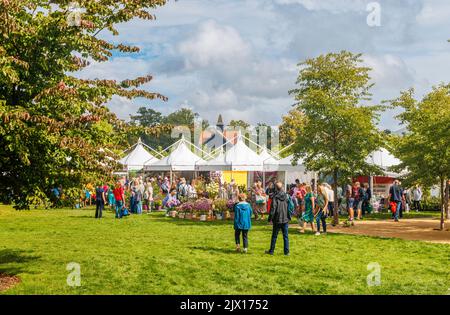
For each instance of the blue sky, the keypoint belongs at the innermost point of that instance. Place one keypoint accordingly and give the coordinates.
(239, 57)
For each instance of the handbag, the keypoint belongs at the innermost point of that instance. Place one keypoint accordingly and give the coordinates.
(260, 200)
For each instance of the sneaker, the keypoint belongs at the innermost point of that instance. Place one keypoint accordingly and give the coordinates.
(238, 249)
(268, 252)
(396, 220)
(317, 233)
(287, 254)
(245, 251)
(324, 233)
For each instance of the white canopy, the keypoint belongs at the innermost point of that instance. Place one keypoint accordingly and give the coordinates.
(180, 159)
(284, 165)
(139, 156)
(241, 158)
(382, 158)
(216, 164)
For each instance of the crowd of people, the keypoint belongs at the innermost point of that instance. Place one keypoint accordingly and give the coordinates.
(312, 206)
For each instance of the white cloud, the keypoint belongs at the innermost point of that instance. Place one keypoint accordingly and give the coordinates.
(213, 44)
(239, 57)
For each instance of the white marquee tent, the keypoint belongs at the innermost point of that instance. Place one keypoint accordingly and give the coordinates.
(241, 158)
(136, 159)
(216, 164)
(384, 159)
(180, 159)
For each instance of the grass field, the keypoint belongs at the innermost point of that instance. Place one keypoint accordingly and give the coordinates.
(152, 254)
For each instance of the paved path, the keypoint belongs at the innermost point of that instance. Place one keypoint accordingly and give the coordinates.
(408, 229)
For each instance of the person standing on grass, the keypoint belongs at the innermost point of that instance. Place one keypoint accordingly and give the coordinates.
(270, 191)
(417, 197)
(308, 214)
(330, 193)
(242, 222)
(111, 199)
(366, 199)
(395, 195)
(100, 201)
(119, 196)
(260, 201)
(321, 208)
(139, 191)
(358, 192)
(279, 216)
(350, 196)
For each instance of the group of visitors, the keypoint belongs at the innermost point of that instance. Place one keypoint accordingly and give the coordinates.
(402, 200)
(137, 195)
(279, 217)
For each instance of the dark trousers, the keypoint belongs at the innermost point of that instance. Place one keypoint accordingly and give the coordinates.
(331, 208)
(237, 234)
(99, 208)
(284, 229)
(321, 217)
(417, 205)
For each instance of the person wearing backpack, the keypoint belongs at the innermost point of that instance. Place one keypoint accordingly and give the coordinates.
(279, 216)
(321, 209)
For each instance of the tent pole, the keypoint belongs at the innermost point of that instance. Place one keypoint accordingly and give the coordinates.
(285, 180)
(264, 180)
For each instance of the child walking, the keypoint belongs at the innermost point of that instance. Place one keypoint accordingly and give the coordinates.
(242, 221)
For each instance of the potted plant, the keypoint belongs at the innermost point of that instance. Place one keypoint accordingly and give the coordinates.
(220, 208)
(230, 209)
(187, 208)
(204, 206)
(157, 203)
(212, 189)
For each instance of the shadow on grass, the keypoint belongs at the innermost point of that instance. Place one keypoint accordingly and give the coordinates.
(205, 223)
(215, 249)
(12, 260)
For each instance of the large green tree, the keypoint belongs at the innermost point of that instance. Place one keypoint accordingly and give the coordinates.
(55, 128)
(338, 131)
(425, 148)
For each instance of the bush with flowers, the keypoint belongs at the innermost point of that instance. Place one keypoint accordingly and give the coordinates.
(203, 206)
(212, 189)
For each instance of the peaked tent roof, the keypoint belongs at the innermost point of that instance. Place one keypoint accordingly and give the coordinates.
(267, 157)
(242, 158)
(137, 158)
(284, 164)
(382, 158)
(216, 164)
(180, 159)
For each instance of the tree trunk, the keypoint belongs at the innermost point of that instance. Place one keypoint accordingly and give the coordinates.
(442, 225)
(336, 201)
(447, 193)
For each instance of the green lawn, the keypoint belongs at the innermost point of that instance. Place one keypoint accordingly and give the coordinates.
(152, 254)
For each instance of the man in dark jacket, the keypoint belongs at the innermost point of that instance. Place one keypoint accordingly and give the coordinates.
(279, 216)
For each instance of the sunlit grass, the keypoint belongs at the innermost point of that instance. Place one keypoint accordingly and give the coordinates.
(152, 254)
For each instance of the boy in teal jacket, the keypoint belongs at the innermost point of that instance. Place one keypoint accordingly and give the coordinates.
(242, 222)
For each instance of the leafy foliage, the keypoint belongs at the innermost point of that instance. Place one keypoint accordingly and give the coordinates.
(425, 148)
(338, 131)
(56, 129)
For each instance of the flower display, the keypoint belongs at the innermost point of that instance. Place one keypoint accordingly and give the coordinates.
(220, 204)
(187, 207)
(212, 189)
(172, 203)
(203, 205)
(230, 205)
